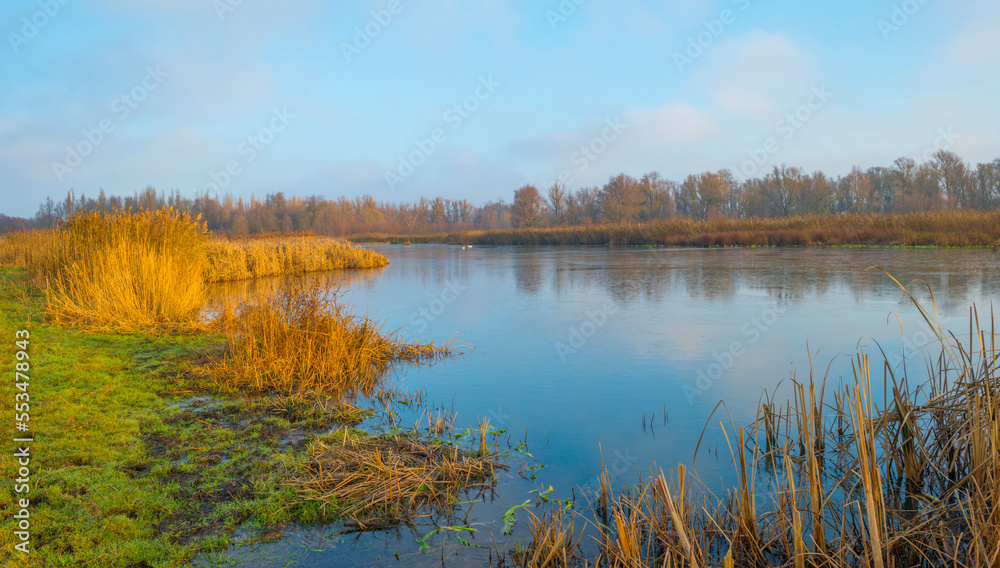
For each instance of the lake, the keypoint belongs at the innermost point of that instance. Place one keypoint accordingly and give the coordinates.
(620, 355)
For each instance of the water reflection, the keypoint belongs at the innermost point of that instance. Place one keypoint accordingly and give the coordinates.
(220, 292)
(677, 314)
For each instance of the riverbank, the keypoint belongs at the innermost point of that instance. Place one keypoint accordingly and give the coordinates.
(129, 464)
(947, 229)
(138, 441)
(138, 461)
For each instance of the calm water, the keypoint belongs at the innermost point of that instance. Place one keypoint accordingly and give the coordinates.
(575, 347)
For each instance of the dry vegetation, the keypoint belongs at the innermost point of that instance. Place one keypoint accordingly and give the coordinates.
(913, 481)
(245, 259)
(300, 339)
(947, 229)
(118, 270)
(126, 270)
(296, 344)
(383, 481)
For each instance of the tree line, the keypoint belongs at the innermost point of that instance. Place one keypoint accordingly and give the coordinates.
(945, 182)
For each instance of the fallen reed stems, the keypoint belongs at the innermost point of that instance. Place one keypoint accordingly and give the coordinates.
(379, 481)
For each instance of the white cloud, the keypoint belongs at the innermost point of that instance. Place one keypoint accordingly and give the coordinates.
(757, 75)
(673, 124)
(977, 42)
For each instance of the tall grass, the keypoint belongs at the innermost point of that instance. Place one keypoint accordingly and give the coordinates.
(912, 480)
(128, 270)
(245, 259)
(17, 248)
(945, 229)
(300, 339)
(119, 269)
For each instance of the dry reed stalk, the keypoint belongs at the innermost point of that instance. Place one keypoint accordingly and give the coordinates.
(553, 540)
(796, 527)
(122, 270)
(300, 339)
(941, 437)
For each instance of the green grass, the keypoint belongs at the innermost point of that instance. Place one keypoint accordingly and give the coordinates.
(121, 474)
(139, 461)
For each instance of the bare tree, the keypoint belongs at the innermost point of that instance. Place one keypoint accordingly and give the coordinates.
(953, 175)
(986, 185)
(657, 196)
(620, 199)
(528, 209)
(557, 202)
(780, 189)
(816, 195)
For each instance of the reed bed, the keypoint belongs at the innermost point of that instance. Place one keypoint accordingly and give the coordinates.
(382, 481)
(301, 339)
(245, 259)
(118, 270)
(910, 480)
(17, 248)
(143, 270)
(943, 229)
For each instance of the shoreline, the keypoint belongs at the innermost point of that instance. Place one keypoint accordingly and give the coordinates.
(136, 460)
(942, 230)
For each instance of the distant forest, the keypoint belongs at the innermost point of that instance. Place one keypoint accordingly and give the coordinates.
(945, 182)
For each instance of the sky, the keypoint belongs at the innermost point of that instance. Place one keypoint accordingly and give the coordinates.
(470, 99)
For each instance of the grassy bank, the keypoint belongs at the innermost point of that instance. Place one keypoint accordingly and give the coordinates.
(150, 449)
(139, 461)
(950, 229)
(122, 473)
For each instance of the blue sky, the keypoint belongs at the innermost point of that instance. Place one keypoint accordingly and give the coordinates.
(290, 97)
